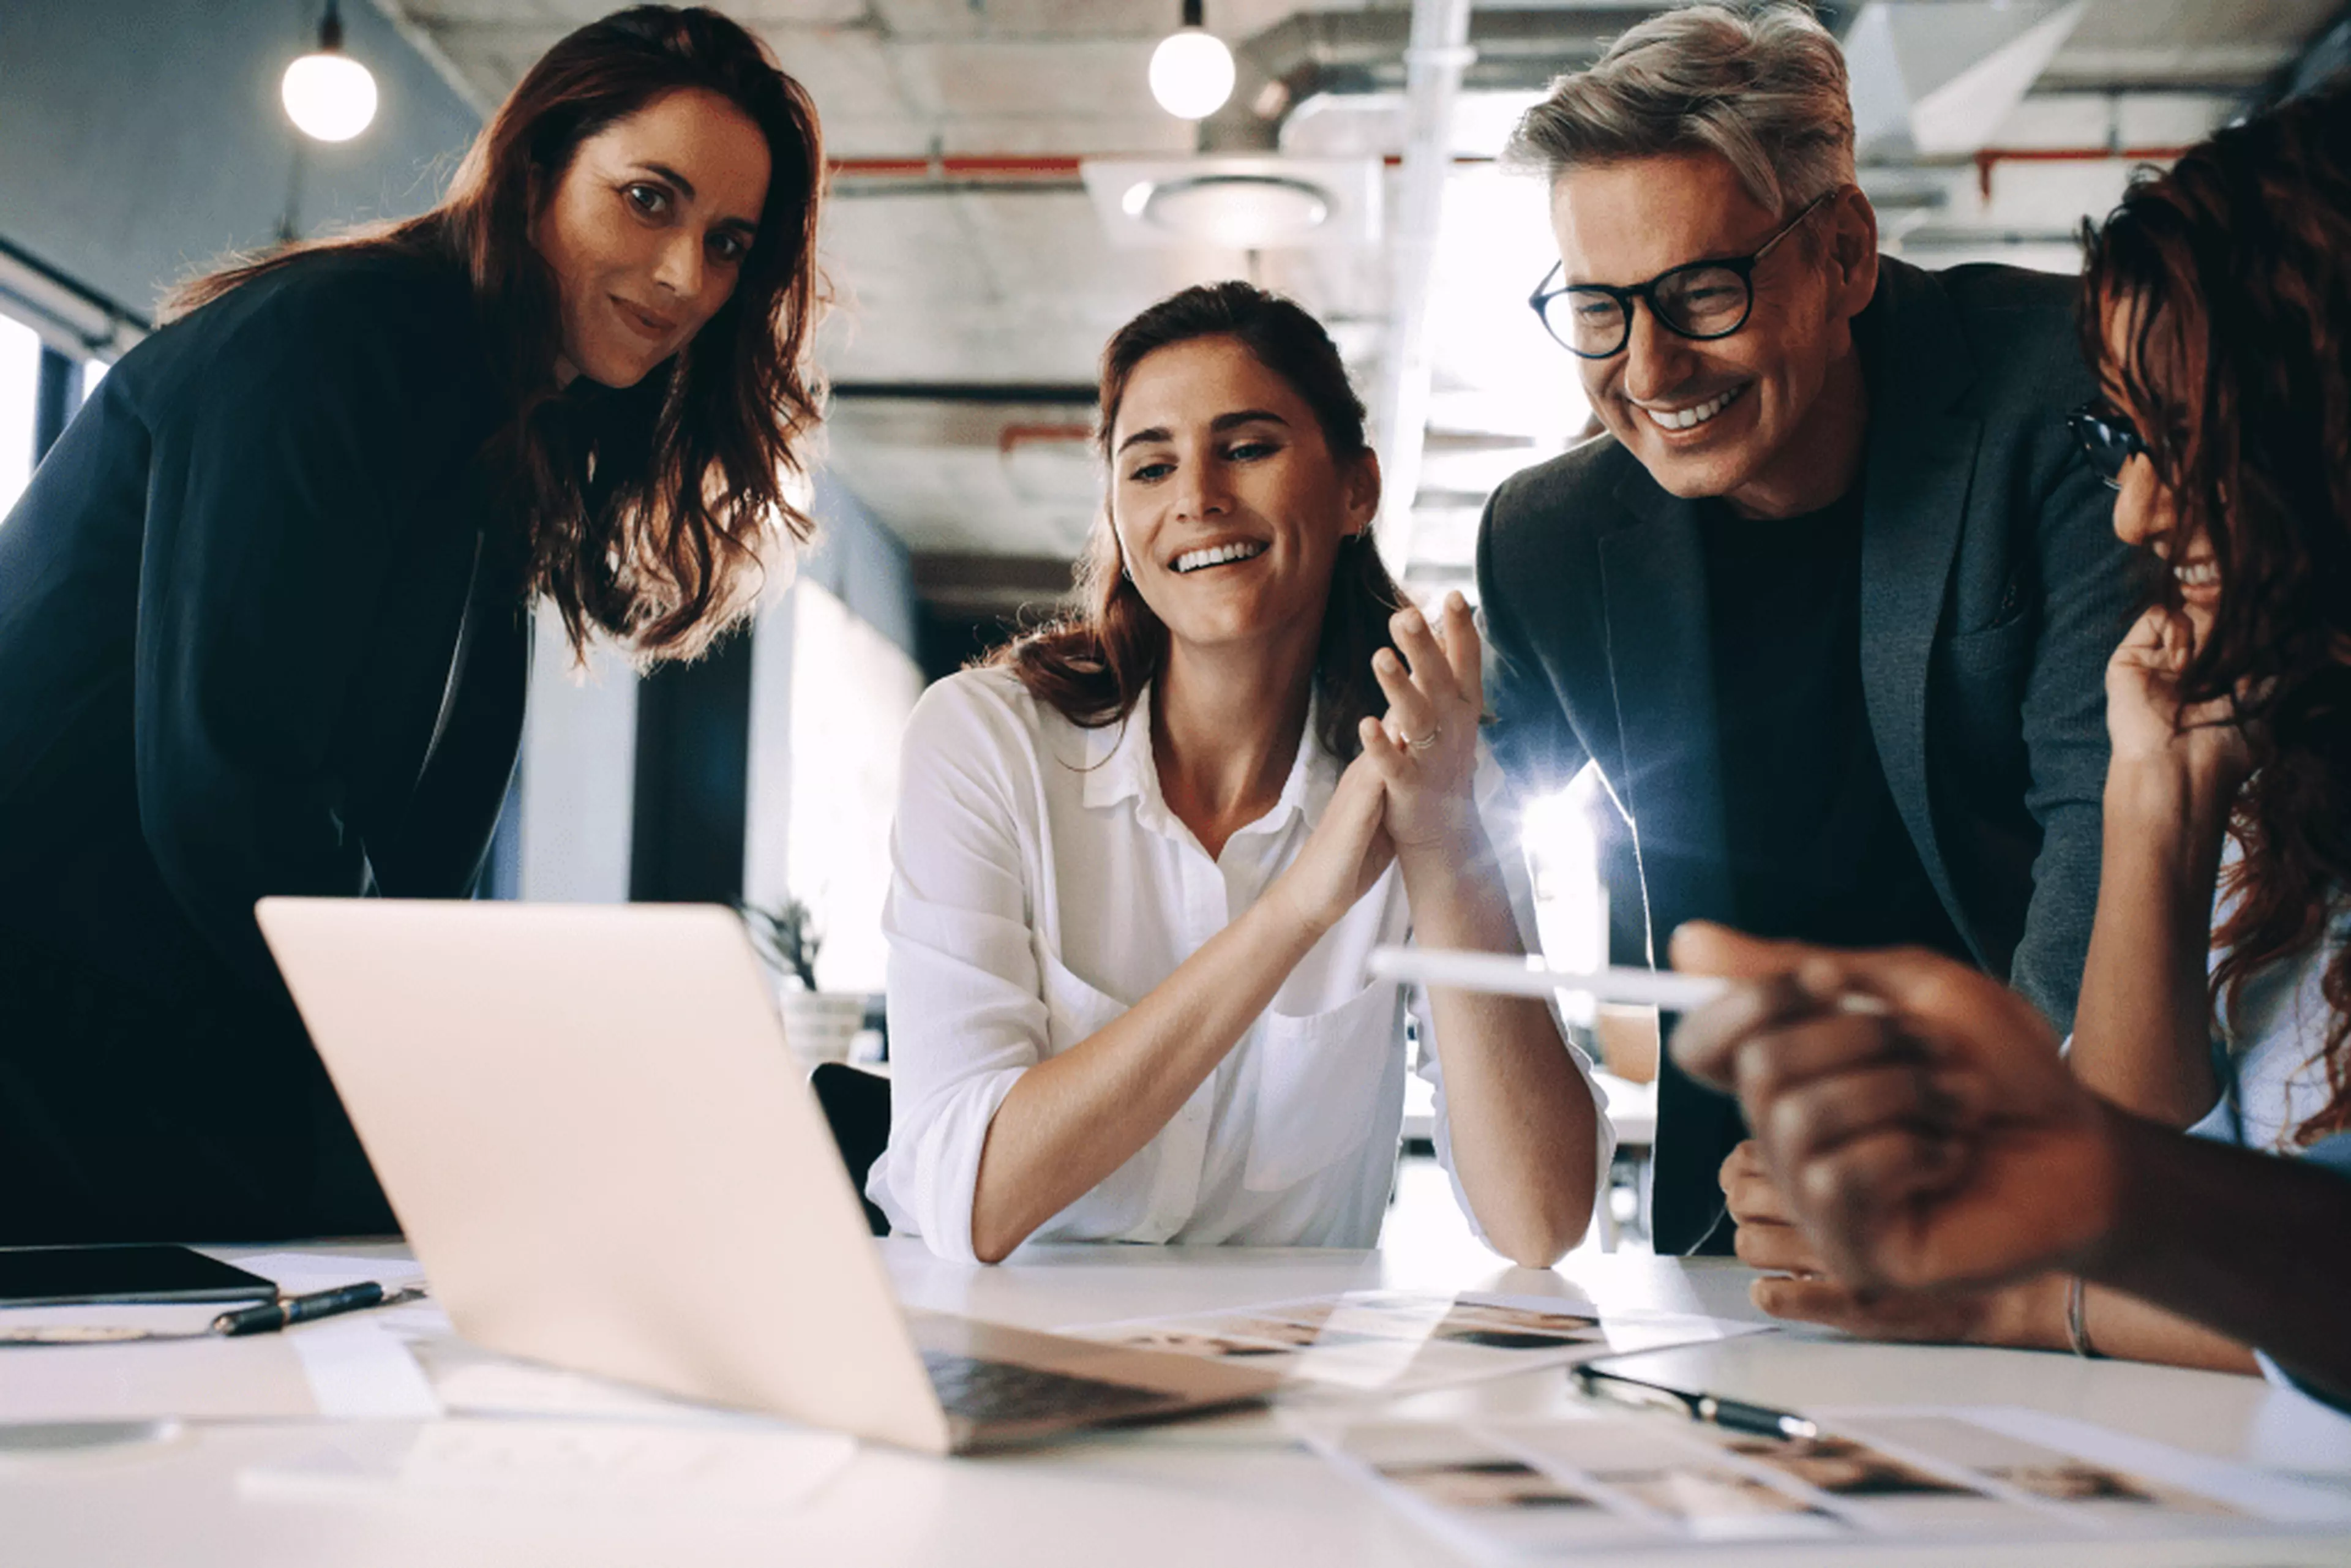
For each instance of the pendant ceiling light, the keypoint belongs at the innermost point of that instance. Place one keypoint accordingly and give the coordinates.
(1192, 71)
(328, 95)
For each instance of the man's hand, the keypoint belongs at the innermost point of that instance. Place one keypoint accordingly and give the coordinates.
(1939, 1141)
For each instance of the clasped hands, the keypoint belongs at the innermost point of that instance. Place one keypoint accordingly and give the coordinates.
(1913, 1171)
(1409, 794)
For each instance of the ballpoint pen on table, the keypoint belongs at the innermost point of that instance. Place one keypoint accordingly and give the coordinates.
(266, 1317)
(287, 1310)
(1735, 1415)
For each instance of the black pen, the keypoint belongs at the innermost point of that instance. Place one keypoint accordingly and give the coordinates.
(1734, 1415)
(271, 1316)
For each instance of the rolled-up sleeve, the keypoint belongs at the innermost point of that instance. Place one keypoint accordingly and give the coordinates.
(1500, 821)
(966, 1013)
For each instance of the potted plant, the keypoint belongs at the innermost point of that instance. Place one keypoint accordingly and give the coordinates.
(818, 1024)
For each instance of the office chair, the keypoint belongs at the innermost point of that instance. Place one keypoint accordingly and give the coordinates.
(857, 1108)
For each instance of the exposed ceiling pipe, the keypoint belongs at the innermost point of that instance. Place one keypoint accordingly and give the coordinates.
(992, 174)
(1988, 159)
(1435, 58)
(1012, 437)
(1040, 395)
(959, 164)
(1310, 53)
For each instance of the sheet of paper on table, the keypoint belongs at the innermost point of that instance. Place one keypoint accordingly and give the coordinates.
(1525, 1486)
(1399, 1342)
(570, 1464)
(357, 1367)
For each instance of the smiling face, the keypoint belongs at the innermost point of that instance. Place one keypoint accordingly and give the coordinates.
(2146, 513)
(647, 229)
(1227, 502)
(1741, 417)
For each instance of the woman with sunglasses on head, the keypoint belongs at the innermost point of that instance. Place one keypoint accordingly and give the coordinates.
(2217, 999)
(1140, 858)
(264, 610)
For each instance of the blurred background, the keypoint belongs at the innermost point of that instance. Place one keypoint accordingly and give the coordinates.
(1009, 185)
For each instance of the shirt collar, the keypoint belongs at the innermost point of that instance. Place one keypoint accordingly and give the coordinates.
(1119, 766)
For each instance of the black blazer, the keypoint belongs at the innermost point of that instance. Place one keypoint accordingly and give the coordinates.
(1993, 592)
(256, 636)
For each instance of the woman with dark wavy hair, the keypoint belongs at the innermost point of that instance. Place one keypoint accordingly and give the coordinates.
(2217, 998)
(263, 609)
(1140, 857)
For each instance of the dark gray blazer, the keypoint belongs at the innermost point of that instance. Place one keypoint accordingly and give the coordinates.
(1993, 592)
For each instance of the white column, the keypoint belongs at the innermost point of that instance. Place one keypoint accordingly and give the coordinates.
(579, 773)
(768, 797)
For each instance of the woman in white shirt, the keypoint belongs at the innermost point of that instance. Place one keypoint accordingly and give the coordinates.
(1140, 859)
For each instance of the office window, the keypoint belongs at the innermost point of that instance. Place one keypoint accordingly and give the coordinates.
(20, 380)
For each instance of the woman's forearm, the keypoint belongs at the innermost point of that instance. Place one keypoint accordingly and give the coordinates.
(1523, 1124)
(2032, 1316)
(2244, 1243)
(1074, 1118)
(2143, 1027)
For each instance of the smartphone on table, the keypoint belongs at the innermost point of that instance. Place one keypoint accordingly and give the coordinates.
(66, 1276)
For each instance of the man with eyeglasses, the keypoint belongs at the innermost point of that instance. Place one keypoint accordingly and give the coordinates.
(1828, 606)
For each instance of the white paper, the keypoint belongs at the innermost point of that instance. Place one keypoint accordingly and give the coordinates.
(1401, 1340)
(1575, 1484)
(299, 1274)
(360, 1370)
(569, 1463)
(471, 1384)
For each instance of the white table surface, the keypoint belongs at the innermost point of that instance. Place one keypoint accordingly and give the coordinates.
(1229, 1492)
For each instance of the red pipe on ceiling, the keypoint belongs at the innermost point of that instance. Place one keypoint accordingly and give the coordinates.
(1988, 158)
(1031, 166)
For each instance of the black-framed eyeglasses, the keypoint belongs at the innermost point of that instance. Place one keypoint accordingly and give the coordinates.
(2108, 438)
(1700, 299)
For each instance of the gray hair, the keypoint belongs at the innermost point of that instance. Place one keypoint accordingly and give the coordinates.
(1763, 88)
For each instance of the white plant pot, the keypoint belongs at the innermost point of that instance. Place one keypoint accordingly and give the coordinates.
(819, 1025)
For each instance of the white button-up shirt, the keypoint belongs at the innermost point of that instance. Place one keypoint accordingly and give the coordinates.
(1040, 886)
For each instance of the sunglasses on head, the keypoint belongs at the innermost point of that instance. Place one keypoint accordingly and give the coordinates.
(2109, 439)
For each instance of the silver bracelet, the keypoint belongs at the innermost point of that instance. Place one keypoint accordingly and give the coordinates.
(2077, 1327)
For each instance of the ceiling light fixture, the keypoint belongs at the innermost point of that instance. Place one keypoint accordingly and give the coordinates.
(1192, 70)
(1242, 212)
(329, 96)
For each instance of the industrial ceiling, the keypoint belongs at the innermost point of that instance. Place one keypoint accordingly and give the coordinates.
(977, 279)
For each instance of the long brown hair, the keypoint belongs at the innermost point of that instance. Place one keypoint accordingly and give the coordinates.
(694, 466)
(2238, 261)
(1092, 662)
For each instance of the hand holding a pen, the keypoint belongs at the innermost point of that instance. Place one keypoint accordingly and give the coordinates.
(1916, 1148)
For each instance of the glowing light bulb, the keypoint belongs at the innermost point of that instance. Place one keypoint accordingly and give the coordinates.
(1192, 73)
(329, 96)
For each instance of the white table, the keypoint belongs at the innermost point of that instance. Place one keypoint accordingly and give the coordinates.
(1229, 1492)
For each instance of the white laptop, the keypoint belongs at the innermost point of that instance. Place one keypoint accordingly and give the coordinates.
(605, 1158)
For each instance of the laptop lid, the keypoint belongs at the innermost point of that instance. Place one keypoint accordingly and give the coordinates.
(602, 1151)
